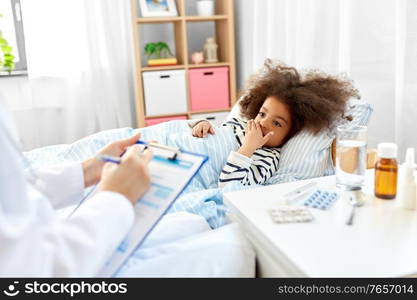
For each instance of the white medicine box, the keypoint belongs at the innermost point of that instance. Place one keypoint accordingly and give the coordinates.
(165, 92)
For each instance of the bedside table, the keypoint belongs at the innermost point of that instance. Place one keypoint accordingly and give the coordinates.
(382, 242)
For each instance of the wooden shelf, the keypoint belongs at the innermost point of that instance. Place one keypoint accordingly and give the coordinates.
(208, 111)
(158, 20)
(167, 115)
(188, 113)
(182, 25)
(205, 19)
(161, 68)
(220, 64)
(177, 19)
(188, 66)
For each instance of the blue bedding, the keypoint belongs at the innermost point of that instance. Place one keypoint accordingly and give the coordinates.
(202, 196)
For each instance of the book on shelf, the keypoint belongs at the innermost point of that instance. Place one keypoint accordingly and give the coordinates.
(162, 62)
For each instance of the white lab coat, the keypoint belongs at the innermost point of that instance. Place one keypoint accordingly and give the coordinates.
(33, 240)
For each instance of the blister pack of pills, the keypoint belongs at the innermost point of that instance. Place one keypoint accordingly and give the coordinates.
(321, 199)
(290, 214)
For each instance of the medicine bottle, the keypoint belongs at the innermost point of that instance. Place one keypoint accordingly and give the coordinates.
(386, 171)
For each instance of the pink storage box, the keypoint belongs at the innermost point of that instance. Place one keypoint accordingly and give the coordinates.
(209, 88)
(154, 121)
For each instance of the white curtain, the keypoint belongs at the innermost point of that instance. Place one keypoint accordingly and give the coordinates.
(373, 41)
(79, 55)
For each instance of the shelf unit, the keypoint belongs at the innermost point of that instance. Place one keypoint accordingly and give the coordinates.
(224, 35)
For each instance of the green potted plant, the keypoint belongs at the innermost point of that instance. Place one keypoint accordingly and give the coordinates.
(6, 56)
(161, 52)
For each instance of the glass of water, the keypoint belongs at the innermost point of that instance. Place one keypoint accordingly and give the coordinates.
(350, 157)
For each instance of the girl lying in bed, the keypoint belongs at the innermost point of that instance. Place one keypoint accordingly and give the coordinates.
(278, 103)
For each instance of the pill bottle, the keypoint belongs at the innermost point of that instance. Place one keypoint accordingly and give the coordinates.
(386, 171)
(407, 189)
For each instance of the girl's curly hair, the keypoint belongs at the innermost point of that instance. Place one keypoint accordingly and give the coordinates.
(315, 99)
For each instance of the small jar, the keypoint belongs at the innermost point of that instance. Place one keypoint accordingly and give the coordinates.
(386, 171)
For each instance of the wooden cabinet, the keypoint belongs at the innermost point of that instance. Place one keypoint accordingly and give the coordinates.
(182, 31)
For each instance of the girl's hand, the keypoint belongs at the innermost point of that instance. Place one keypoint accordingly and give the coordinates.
(254, 139)
(202, 129)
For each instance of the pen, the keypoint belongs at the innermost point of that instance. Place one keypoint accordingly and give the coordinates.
(114, 159)
(109, 158)
(161, 150)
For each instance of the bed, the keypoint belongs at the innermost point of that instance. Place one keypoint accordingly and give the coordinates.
(202, 201)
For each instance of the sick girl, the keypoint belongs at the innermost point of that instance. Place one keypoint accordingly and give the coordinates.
(278, 103)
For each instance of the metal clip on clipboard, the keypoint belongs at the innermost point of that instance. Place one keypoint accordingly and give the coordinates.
(168, 152)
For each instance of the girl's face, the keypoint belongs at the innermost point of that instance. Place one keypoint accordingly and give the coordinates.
(274, 116)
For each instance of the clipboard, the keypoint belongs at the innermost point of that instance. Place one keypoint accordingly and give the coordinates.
(171, 170)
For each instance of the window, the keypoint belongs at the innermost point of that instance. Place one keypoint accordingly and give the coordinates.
(11, 25)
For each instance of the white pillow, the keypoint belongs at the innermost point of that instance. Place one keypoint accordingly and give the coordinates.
(306, 155)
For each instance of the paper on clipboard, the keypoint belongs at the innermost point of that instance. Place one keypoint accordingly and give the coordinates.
(168, 180)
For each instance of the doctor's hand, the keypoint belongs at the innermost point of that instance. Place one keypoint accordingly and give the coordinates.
(92, 167)
(129, 178)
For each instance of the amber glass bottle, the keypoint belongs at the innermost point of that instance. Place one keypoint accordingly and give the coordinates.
(386, 171)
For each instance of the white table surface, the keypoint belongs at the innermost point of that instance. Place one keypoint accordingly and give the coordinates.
(382, 242)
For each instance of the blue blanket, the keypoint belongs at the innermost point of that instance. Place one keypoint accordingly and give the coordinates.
(202, 196)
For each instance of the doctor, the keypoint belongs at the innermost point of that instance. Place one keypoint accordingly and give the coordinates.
(34, 242)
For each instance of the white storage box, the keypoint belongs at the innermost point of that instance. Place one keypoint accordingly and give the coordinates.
(215, 118)
(165, 92)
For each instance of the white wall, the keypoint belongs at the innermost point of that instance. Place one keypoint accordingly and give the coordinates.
(17, 90)
(366, 43)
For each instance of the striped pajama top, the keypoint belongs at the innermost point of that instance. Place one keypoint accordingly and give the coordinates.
(255, 170)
